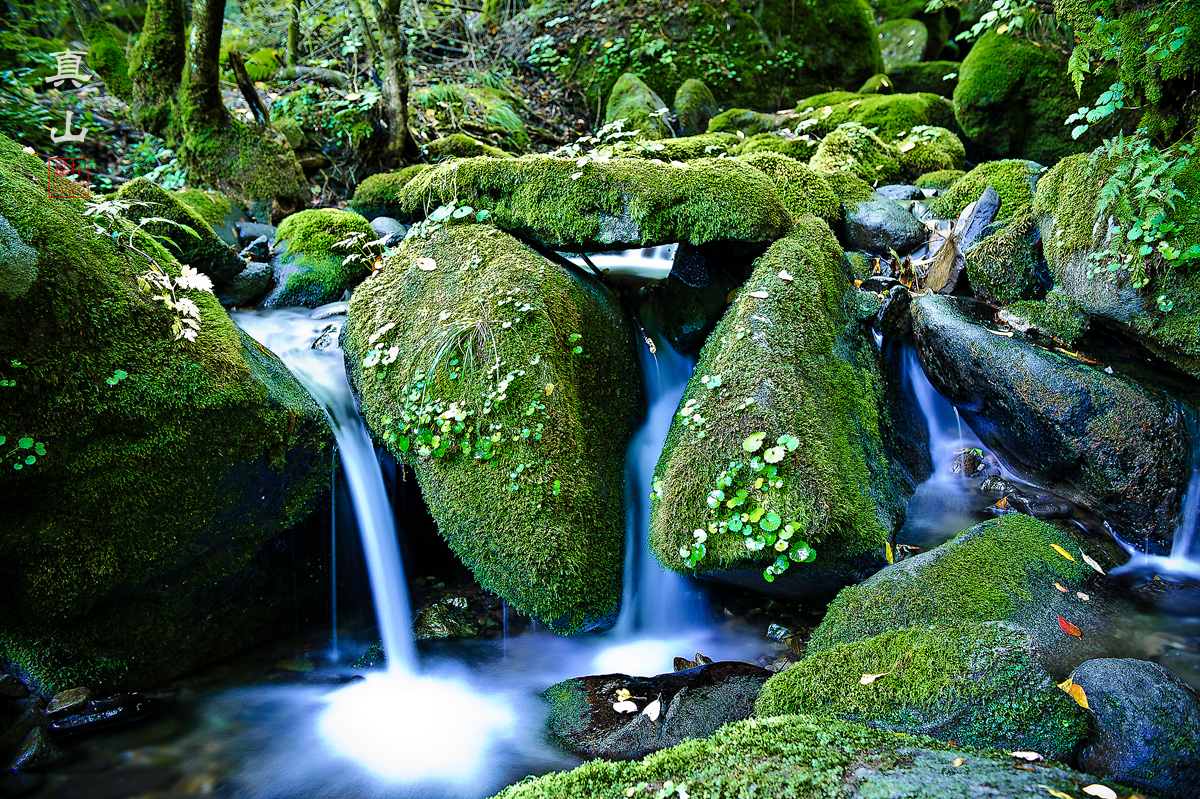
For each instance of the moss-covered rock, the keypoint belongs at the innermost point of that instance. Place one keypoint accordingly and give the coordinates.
(1098, 439)
(644, 111)
(1013, 179)
(925, 77)
(1013, 97)
(803, 191)
(849, 187)
(888, 115)
(927, 148)
(621, 203)
(979, 685)
(311, 271)
(1162, 315)
(378, 194)
(902, 42)
(460, 145)
(689, 148)
(800, 148)
(1006, 266)
(512, 386)
(212, 206)
(153, 531)
(694, 107)
(203, 251)
(855, 149)
(1057, 315)
(805, 756)
(744, 121)
(782, 421)
(941, 179)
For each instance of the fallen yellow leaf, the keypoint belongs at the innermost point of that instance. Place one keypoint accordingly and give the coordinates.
(549, 389)
(1054, 793)
(887, 551)
(958, 761)
(1103, 791)
(908, 145)
(1075, 692)
(1063, 552)
(1060, 588)
(867, 679)
(1090, 562)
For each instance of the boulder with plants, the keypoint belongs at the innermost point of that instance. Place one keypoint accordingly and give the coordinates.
(1015, 180)
(511, 385)
(889, 116)
(642, 109)
(694, 106)
(379, 194)
(855, 149)
(323, 253)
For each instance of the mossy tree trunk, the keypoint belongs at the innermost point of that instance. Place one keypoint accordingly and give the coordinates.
(293, 33)
(253, 163)
(157, 66)
(105, 56)
(394, 50)
(360, 19)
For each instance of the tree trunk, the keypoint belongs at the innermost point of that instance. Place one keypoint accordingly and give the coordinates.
(105, 57)
(394, 50)
(157, 67)
(361, 21)
(253, 163)
(293, 38)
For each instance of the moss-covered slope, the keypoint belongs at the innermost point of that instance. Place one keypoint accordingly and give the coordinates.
(512, 385)
(146, 536)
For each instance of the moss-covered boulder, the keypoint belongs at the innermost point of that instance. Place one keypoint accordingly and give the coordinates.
(745, 122)
(800, 148)
(1014, 180)
(511, 384)
(849, 187)
(203, 251)
(777, 455)
(689, 148)
(1098, 439)
(1013, 98)
(853, 148)
(805, 756)
(1099, 273)
(925, 77)
(927, 148)
(888, 115)
(624, 202)
(1056, 315)
(377, 195)
(979, 685)
(641, 108)
(216, 209)
(942, 179)
(154, 518)
(694, 106)
(460, 145)
(804, 191)
(999, 570)
(902, 42)
(312, 270)
(1007, 265)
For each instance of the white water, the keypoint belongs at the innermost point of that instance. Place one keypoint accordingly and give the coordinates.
(946, 434)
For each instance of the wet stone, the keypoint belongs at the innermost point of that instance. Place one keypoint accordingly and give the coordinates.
(11, 686)
(38, 749)
(69, 700)
(258, 250)
(392, 229)
(899, 192)
(895, 315)
(102, 713)
(249, 231)
(444, 621)
(879, 226)
(25, 723)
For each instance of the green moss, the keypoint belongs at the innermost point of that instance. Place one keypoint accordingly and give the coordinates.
(1012, 179)
(902, 42)
(849, 188)
(803, 191)
(694, 106)
(460, 145)
(638, 203)
(1004, 267)
(644, 111)
(999, 570)
(141, 543)
(798, 148)
(931, 77)
(744, 121)
(106, 57)
(792, 363)
(888, 115)
(521, 463)
(1056, 315)
(253, 165)
(482, 108)
(204, 250)
(311, 272)
(802, 756)
(941, 179)
(377, 195)
(855, 149)
(929, 149)
(977, 684)
(211, 206)
(689, 148)
(156, 65)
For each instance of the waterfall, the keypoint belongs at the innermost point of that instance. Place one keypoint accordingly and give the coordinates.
(307, 343)
(941, 418)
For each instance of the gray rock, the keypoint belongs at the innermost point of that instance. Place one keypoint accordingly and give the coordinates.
(899, 191)
(12, 687)
(24, 724)
(71, 699)
(253, 282)
(895, 315)
(877, 226)
(1099, 440)
(1147, 731)
(444, 621)
(392, 228)
(258, 251)
(249, 231)
(696, 293)
(38, 749)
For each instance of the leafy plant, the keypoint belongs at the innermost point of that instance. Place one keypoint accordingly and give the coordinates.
(450, 214)
(24, 452)
(367, 253)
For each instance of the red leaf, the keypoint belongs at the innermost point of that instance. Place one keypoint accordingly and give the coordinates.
(1068, 628)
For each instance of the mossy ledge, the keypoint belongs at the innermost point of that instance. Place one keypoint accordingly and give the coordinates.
(512, 385)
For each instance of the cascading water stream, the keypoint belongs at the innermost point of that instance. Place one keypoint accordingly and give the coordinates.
(941, 418)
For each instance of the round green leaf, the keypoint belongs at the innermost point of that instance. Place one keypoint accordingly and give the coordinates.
(754, 442)
(770, 522)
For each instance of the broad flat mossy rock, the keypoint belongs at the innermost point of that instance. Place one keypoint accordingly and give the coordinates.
(694, 107)
(887, 115)
(804, 192)
(902, 42)
(1013, 96)
(311, 271)
(942, 179)
(1013, 179)
(744, 121)
(1065, 210)
(806, 756)
(928, 148)
(1101, 440)
(511, 384)
(460, 145)
(999, 570)
(377, 195)
(626, 202)
(156, 530)
(786, 362)
(203, 251)
(853, 148)
(641, 108)
(979, 685)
